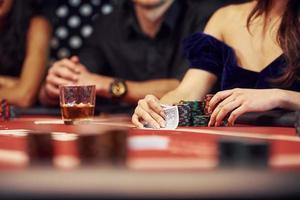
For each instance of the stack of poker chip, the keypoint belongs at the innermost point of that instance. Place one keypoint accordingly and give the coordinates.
(195, 113)
(6, 111)
(198, 117)
(192, 113)
(184, 111)
(201, 120)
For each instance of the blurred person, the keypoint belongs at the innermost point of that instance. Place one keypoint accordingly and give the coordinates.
(252, 49)
(24, 38)
(133, 51)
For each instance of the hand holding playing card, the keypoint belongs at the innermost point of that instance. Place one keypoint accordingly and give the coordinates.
(149, 111)
(171, 116)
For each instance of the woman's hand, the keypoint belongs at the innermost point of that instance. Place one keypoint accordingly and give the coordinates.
(235, 102)
(150, 112)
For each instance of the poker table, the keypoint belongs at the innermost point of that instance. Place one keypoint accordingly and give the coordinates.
(108, 158)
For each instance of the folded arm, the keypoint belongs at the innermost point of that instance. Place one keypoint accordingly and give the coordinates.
(22, 91)
(136, 89)
(70, 71)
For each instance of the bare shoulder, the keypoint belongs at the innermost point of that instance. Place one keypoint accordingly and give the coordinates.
(227, 16)
(235, 9)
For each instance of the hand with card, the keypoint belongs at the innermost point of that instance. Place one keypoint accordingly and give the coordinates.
(184, 113)
(149, 111)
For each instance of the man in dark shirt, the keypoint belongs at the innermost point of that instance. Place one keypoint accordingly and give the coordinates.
(134, 51)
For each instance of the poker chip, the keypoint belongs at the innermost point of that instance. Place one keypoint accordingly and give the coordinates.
(191, 113)
(197, 107)
(184, 111)
(196, 113)
(6, 111)
(200, 120)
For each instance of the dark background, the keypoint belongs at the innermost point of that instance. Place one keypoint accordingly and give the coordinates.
(72, 20)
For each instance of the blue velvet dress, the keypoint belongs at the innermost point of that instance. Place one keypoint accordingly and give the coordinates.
(208, 53)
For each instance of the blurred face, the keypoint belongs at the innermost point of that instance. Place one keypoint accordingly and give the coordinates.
(150, 3)
(5, 6)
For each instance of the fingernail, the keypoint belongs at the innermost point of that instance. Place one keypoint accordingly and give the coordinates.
(163, 124)
(162, 113)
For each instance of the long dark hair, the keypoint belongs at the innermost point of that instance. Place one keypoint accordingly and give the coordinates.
(288, 36)
(13, 36)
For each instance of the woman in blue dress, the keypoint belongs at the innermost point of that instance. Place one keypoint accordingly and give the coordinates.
(252, 51)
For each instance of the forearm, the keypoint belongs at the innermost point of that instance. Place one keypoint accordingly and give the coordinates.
(135, 90)
(194, 86)
(18, 95)
(7, 81)
(172, 97)
(287, 99)
(158, 88)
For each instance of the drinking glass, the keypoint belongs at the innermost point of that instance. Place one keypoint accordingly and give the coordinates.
(77, 102)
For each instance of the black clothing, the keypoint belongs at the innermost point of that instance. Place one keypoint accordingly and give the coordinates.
(119, 48)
